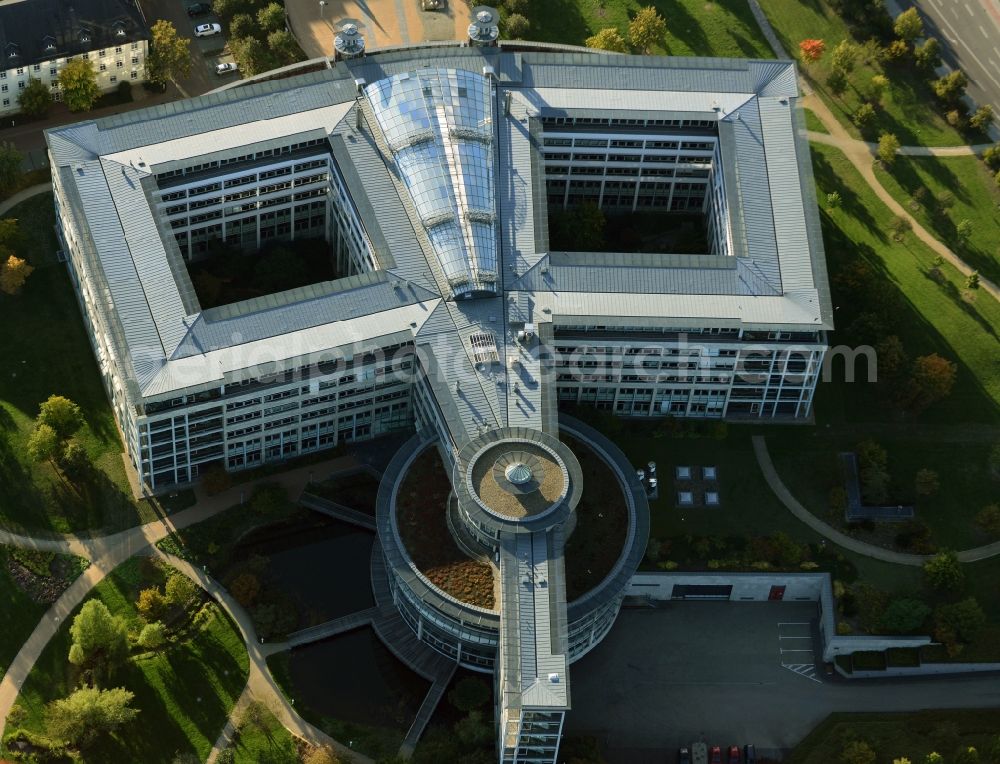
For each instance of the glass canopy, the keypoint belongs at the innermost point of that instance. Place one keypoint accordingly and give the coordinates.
(439, 126)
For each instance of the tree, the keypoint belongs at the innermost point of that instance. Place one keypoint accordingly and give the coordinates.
(78, 82)
(229, 8)
(926, 482)
(284, 47)
(891, 355)
(151, 604)
(992, 157)
(964, 229)
(245, 588)
(75, 463)
(864, 115)
(10, 172)
(934, 758)
(834, 200)
(896, 50)
(516, 6)
(608, 38)
(944, 572)
(837, 82)
(473, 731)
(812, 50)
(169, 53)
(904, 616)
(928, 55)
(101, 637)
(982, 118)
(243, 25)
(993, 460)
(647, 28)
(152, 636)
(13, 273)
(252, 56)
(469, 694)
(271, 17)
(858, 752)
(909, 25)
(965, 617)
(44, 445)
(988, 518)
(888, 145)
(931, 379)
(972, 280)
(35, 99)
(845, 55)
(967, 755)
(87, 713)
(950, 87)
(180, 590)
(516, 26)
(61, 414)
(877, 87)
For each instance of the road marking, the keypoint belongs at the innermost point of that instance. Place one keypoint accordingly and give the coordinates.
(975, 58)
(794, 637)
(969, 10)
(808, 670)
(954, 12)
(983, 30)
(794, 650)
(794, 623)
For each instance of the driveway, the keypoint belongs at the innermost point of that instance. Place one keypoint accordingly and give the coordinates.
(728, 673)
(383, 23)
(206, 52)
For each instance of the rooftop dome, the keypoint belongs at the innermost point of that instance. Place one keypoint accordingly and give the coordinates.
(518, 473)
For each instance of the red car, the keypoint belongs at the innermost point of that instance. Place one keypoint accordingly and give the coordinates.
(734, 754)
(715, 755)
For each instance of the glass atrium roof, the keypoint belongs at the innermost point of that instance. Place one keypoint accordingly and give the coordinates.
(439, 125)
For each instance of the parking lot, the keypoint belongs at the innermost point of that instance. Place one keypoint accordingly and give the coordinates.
(206, 52)
(728, 673)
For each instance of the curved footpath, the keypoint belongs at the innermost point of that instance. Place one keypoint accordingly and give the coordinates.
(842, 539)
(105, 553)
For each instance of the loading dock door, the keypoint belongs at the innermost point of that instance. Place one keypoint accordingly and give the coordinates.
(701, 591)
(777, 593)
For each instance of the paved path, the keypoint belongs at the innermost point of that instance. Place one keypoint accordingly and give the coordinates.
(20, 196)
(842, 539)
(107, 552)
(908, 151)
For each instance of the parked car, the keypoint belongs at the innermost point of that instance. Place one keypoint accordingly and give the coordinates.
(749, 754)
(432, 5)
(715, 755)
(734, 755)
(207, 30)
(228, 68)
(198, 9)
(699, 753)
(683, 756)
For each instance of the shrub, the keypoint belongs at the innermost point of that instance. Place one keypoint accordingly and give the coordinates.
(992, 157)
(151, 604)
(944, 572)
(951, 87)
(243, 25)
(965, 618)
(812, 50)
(180, 590)
(982, 119)
(152, 636)
(245, 588)
(516, 6)
(928, 55)
(904, 616)
(927, 482)
(988, 518)
(864, 116)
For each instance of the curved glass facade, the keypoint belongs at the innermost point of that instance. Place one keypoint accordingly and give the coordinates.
(439, 125)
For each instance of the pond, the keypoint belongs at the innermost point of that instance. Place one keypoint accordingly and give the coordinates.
(321, 564)
(354, 678)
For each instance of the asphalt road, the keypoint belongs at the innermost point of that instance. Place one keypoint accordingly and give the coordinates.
(969, 33)
(729, 673)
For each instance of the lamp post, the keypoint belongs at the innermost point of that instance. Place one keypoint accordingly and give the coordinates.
(322, 7)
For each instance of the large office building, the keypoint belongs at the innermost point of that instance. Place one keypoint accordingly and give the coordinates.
(38, 38)
(433, 173)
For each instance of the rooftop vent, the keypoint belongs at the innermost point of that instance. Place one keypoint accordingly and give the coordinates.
(554, 678)
(484, 29)
(349, 42)
(49, 44)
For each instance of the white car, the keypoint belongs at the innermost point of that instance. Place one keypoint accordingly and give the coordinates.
(229, 68)
(207, 30)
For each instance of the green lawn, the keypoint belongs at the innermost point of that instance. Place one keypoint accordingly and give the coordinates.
(908, 110)
(254, 746)
(813, 122)
(928, 316)
(694, 27)
(46, 351)
(892, 736)
(976, 196)
(184, 692)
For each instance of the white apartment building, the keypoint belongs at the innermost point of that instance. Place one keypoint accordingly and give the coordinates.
(38, 37)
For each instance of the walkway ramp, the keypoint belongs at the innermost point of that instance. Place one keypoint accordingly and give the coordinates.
(332, 627)
(427, 708)
(339, 511)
